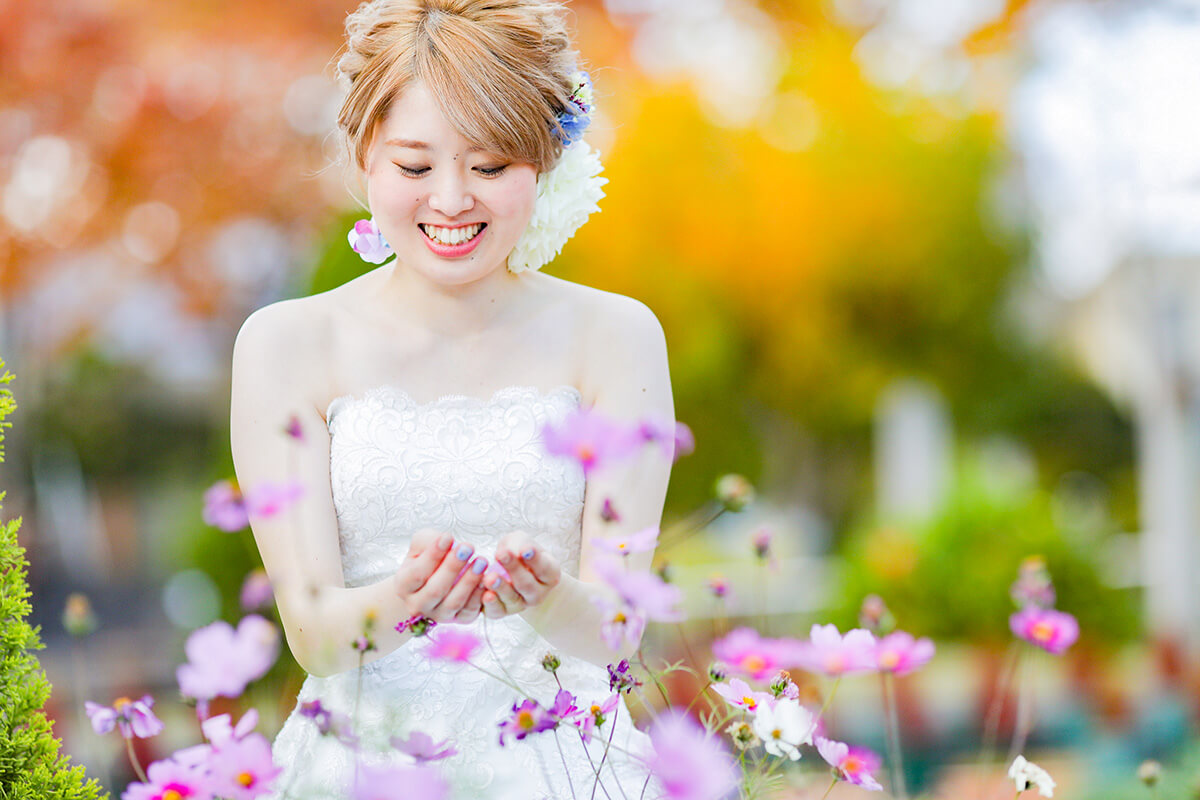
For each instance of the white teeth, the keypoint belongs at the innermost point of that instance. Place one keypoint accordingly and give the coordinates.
(452, 236)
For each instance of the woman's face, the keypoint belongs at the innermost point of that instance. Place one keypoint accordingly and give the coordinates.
(451, 212)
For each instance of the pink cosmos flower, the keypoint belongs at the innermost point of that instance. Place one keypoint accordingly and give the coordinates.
(330, 723)
(832, 653)
(643, 541)
(1053, 631)
(222, 661)
(256, 591)
(690, 764)
(422, 747)
(171, 779)
(133, 718)
(527, 718)
(899, 653)
(451, 645)
(564, 708)
(229, 508)
(718, 585)
(757, 657)
(366, 240)
(591, 439)
(1033, 585)
(675, 438)
(621, 623)
(596, 714)
(643, 591)
(847, 765)
(739, 694)
(242, 769)
(220, 730)
(419, 782)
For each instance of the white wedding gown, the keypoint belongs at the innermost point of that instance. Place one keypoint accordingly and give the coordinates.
(477, 468)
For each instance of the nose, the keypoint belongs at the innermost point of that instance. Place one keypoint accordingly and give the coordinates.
(449, 195)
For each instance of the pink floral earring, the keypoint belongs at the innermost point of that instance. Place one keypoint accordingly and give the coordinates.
(366, 240)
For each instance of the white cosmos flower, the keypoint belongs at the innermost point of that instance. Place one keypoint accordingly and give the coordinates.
(784, 727)
(1028, 775)
(567, 194)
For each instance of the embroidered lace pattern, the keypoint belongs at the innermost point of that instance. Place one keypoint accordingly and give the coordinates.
(475, 467)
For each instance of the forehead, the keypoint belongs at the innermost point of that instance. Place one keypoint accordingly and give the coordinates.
(415, 119)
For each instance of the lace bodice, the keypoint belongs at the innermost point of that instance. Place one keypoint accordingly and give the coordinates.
(477, 468)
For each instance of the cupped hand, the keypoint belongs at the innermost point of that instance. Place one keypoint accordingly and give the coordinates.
(440, 579)
(532, 573)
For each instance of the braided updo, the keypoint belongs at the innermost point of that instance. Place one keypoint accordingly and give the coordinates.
(500, 70)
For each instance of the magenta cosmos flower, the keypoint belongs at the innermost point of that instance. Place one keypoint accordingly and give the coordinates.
(642, 591)
(848, 764)
(1053, 631)
(229, 508)
(242, 769)
(222, 660)
(256, 591)
(171, 780)
(133, 718)
(899, 653)
(451, 645)
(675, 438)
(366, 239)
(591, 439)
(831, 653)
(643, 541)
(422, 747)
(596, 714)
(738, 693)
(527, 718)
(689, 763)
(419, 782)
(742, 650)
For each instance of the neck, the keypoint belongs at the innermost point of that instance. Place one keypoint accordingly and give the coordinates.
(450, 309)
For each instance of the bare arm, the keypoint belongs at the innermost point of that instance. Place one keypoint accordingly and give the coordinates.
(632, 379)
(321, 617)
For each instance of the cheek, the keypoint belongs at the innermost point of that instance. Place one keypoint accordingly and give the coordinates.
(515, 197)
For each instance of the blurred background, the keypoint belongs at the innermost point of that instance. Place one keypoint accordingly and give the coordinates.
(929, 272)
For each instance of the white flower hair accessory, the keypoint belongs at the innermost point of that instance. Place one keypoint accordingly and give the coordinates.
(566, 196)
(1028, 775)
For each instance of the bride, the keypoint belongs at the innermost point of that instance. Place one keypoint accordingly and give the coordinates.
(416, 395)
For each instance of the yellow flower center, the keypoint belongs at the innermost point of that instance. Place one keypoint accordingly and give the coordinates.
(585, 452)
(1043, 631)
(595, 709)
(835, 662)
(619, 618)
(621, 545)
(171, 794)
(777, 733)
(245, 779)
(889, 659)
(750, 702)
(851, 765)
(753, 663)
(120, 703)
(524, 720)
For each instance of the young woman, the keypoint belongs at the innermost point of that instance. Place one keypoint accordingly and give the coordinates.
(420, 391)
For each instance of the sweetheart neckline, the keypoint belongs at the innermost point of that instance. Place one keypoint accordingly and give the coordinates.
(462, 399)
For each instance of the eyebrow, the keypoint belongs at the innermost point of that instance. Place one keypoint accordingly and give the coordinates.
(413, 144)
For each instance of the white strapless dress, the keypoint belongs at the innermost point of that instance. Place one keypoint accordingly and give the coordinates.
(477, 468)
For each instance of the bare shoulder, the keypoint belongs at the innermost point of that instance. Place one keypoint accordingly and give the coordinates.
(604, 315)
(285, 341)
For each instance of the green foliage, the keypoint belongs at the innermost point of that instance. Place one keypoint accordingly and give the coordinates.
(30, 763)
(950, 577)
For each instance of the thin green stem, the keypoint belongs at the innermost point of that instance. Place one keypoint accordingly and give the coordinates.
(133, 759)
(829, 698)
(830, 789)
(1024, 708)
(654, 677)
(699, 694)
(895, 759)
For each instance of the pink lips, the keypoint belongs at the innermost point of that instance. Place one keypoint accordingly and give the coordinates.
(453, 250)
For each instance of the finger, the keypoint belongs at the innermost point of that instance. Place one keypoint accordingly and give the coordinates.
(443, 578)
(473, 607)
(493, 607)
(512, 600)
(427, 551)
(525, 583)
(544, 566)
(466, 583)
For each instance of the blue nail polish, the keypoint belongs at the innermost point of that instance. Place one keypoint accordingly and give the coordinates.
(463, 553)
(480, 566)
(528, 554)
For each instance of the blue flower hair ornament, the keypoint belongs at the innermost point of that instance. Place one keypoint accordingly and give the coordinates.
(575, 117)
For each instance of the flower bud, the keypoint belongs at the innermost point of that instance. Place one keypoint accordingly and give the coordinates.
(734, 492)
(78, 617)
(551, 662)
(1149, 772)
(875, 616)
(608, 511)
(717, 672)
(762, 542)
(742, 734)
(718, 585)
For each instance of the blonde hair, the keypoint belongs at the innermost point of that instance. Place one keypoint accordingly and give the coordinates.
(499, 70)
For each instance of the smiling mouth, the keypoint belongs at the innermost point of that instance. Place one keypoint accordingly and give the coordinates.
(450, 237)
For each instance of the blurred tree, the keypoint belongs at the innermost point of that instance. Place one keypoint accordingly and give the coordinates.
(30, 763)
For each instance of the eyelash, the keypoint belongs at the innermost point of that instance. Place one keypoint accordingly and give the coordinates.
(487, 172)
